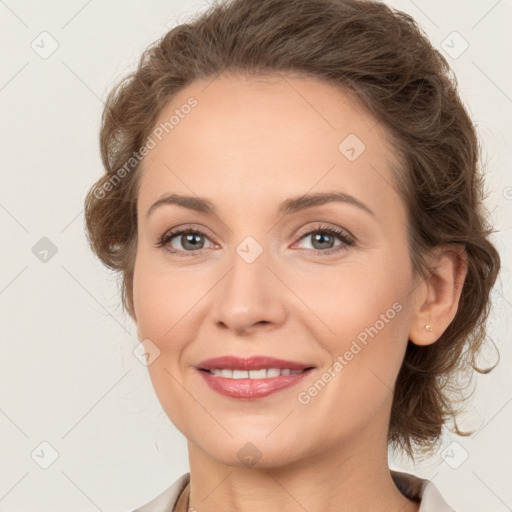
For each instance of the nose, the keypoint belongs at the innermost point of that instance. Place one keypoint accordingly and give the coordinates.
(250, 296)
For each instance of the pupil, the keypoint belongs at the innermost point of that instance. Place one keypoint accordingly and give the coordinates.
(190, 239)
(321, 238)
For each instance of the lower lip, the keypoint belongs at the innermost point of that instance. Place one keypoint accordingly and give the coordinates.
(251, 389)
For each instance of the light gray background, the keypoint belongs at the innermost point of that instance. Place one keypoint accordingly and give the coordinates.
(68, 375)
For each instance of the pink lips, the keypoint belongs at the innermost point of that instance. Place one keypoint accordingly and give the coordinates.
(250, 389)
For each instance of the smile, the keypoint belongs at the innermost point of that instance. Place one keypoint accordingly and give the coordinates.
(252, 384)
(253, 374)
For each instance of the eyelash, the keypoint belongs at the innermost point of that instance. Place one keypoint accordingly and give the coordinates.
(346, 239)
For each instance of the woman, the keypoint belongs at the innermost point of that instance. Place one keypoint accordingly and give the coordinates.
(245, 141)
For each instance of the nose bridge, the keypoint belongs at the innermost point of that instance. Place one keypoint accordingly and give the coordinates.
(249, 293)
(249, 266)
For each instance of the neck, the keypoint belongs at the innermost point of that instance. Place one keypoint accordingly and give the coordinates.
(333, 480)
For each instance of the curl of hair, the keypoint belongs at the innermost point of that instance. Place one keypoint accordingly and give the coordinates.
(381, 57)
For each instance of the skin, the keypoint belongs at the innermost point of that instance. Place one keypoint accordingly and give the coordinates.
(248, 145)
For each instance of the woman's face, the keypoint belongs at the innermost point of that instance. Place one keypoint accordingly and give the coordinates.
(265, 276)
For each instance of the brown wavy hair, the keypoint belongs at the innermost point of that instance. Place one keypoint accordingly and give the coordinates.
(381, 56)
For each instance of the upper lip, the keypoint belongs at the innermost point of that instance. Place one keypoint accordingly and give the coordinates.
(251, 363)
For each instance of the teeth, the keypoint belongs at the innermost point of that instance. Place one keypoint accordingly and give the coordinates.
(257, 374)
(253, 374)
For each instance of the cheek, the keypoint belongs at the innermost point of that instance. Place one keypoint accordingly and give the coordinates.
(368, 325)
(161, 303)
(162, 299)
(352, 298)
(366, 356)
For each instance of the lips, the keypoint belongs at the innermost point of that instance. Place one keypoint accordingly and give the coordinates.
(233, 381)
(251, 363)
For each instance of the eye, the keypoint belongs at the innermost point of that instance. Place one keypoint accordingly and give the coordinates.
(190, 240)
(323, 239)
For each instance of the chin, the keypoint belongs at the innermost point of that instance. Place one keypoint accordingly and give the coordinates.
(251, 451)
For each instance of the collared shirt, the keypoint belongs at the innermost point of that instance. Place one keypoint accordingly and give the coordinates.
(175, 497)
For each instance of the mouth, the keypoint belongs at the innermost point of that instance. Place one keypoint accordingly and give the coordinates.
(252, 378)
(253, 363)
(262, 373)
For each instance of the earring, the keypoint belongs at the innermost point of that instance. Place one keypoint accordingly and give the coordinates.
(428, 327)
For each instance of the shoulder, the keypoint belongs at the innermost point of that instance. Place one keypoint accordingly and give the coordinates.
(166, 500)
(421, 489)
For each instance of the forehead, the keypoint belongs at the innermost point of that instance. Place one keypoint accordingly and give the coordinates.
(262, 139)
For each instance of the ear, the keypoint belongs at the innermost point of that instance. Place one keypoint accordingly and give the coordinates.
(438, 295)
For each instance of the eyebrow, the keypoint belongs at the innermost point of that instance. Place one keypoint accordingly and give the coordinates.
(288, 207)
